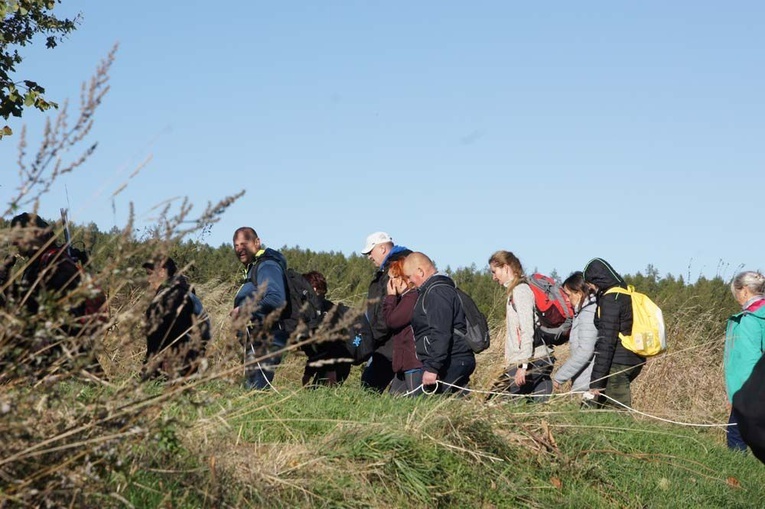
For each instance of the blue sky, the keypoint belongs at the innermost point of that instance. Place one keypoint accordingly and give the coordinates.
(561, 131)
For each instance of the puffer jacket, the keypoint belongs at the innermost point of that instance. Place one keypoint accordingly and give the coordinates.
(613, 316)
(582, 339)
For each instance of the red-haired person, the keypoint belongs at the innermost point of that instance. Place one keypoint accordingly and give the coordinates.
(398, 307)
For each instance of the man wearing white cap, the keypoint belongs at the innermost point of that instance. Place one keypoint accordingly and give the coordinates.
(379, 248)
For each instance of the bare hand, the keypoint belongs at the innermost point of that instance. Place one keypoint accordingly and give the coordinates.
(429, 378)
(520, 376)
(556, 385)
(596, 392)
(234, 313)
(391, 288)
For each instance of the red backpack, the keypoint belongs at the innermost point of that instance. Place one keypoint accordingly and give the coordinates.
(553, 306)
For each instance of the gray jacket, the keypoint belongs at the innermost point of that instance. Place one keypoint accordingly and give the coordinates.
(582, 340)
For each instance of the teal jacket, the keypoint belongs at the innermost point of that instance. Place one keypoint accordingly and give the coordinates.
(744, 345)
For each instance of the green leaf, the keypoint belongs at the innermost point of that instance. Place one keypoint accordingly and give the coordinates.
(29, 99)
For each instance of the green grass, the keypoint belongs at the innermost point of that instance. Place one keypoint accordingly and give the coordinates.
(217, 445)
(349, 448)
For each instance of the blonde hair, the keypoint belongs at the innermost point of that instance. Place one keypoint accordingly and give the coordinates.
(502, 258)
(754, 281)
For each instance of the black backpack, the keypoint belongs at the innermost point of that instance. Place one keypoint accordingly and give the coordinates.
(360, 342)
(303, 310)
(477, 333)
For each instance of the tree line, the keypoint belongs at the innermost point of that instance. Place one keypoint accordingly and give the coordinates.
(348, 276)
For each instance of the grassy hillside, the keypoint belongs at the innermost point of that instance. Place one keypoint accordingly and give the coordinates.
(215, 445)
(69, 440)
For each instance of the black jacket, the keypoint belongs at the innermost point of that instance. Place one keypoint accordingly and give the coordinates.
(50, 272)
(613, 316)
(375, 296)
(437, 314)
(751, 413)
(169, 320)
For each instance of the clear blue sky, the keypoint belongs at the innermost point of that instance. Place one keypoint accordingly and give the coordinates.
(561, 131)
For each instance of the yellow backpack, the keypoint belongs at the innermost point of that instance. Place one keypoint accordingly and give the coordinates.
(648, 335)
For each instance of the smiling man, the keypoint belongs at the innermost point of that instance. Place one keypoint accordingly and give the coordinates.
(262, 294)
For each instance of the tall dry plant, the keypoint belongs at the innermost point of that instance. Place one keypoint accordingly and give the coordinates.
(55, 451)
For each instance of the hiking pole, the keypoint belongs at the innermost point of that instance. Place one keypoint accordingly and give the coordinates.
(67, 235)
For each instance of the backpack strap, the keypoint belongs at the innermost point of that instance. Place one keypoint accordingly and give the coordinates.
(427, 291)
(49, 255)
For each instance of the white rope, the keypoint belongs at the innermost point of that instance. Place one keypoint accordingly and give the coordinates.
(571, 393)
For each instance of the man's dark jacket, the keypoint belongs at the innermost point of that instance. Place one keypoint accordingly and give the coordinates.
(375, 296)
(613, 316)
(437, 314)
(169, 318)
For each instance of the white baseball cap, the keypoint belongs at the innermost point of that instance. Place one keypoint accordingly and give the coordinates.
(374, 239)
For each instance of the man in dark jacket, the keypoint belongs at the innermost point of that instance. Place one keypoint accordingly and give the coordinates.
(445, 356)
(380, 249)
(176, 333)
(169, 323)
(259, 306)
(614, 367)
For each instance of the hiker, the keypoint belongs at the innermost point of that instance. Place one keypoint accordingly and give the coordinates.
(614, 367)
(327, 362)
(744, 345)
(398, 307)
(45, 286)
(259, 305)
(176, 326)
(381, 250)
(439, 327)
(527, 365)
(582, 338)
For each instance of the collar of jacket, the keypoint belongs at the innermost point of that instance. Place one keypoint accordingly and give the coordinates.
(394, 250)
(246, 270)
(436, 278)
(754, 303)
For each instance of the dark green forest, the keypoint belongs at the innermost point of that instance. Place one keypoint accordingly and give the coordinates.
(349, 276)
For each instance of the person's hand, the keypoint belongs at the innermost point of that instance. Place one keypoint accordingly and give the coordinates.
(556, 385)
(429, 378)
(520, 376)
(596, 392)
(234, 313)
(391, 288)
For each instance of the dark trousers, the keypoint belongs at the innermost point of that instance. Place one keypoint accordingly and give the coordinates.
(378, 373)
(327, 374)
(733, 434)
(620, 376)
(260, 375)
(538, 386)
(457, 375)
(407, 383)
